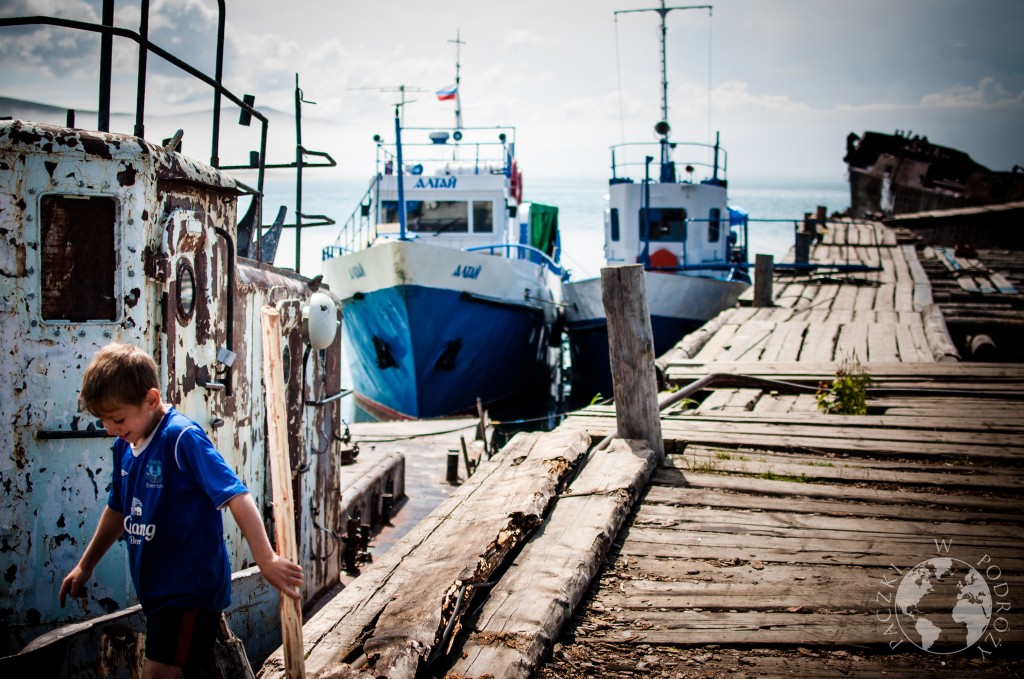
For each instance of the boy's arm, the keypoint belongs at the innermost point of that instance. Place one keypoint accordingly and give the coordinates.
(282, 573)
(108, 530)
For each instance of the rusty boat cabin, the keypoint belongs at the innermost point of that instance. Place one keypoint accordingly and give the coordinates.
(109, 238)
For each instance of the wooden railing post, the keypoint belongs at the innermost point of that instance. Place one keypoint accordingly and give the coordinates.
(764, 270)
(281, 489)
(631, 350)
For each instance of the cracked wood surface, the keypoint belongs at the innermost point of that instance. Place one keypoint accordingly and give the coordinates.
(396, 611)
(528, 607)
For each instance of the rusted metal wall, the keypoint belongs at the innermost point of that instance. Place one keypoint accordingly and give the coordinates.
(171, 215)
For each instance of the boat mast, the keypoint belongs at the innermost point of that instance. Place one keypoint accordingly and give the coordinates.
(458, 94)
(663, 128)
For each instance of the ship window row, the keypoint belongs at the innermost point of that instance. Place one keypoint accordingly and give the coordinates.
(443, 216)
(667, 224)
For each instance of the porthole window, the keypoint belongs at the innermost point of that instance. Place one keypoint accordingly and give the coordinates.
(186, 291)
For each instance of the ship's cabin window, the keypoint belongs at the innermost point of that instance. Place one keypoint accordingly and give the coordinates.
(483, 216)
(714, 225)
(431, 216)
(667, 224)
(78, 258)
(613, 224)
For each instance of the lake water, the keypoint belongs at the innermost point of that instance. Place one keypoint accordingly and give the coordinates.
(581, 203)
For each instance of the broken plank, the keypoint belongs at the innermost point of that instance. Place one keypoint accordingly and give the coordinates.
(396, 611)
(529, 605)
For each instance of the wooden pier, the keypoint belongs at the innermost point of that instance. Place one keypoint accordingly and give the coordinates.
(771, 538)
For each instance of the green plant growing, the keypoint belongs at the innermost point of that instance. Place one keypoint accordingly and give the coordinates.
(848, 393)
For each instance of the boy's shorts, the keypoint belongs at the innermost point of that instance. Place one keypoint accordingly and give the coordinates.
(182, 636)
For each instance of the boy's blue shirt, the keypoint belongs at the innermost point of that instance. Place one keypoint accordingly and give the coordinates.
(170, 494)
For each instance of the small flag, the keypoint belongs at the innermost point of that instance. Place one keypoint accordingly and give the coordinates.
(447, 93)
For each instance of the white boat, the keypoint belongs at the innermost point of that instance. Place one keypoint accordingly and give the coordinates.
(454, 298)
(691, 243)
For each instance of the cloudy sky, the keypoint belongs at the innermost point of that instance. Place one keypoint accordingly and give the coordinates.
(783, 81)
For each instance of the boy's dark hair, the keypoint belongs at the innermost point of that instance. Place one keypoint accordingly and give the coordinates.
(119, 374)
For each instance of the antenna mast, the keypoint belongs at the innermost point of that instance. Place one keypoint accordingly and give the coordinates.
(458, 94)
(662, 12)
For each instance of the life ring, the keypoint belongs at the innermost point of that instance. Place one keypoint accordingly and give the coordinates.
(519, 186)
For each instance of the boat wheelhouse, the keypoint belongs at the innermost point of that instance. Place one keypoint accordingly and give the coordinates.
(691, 244)
(452, 299)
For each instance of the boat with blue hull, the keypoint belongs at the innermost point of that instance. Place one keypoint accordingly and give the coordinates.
(452, 299)
(681, 229)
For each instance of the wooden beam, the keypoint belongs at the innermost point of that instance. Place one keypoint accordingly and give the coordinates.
(281, 480)
(631, 351)
(405, 607)
(531, 603)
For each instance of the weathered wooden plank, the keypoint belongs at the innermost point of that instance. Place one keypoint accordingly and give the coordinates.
(779, 521)
(396, 610)
(819, 344)
(730, 400)
(281, 477)
(865, 299)
(696, 628)
(770, 466)
(713, 347)
(747, 342)
(846, 298)
(774, 404)
(882, 343)
(807, 548)
(528, 607)
(754, 535)
(911, 444)
(631, 350)
(771, 587)
(852, 341)
(842, 493)
(791, 341)
(674, 495)
(1008, 373)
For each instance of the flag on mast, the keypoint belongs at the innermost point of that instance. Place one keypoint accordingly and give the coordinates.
(446, 93)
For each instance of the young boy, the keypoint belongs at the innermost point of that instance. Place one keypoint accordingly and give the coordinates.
(167, 491)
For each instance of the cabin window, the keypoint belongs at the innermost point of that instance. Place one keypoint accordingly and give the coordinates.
(431, 216)
(483, 216)
(186, 291)
(78, 258)
(613, 223)
(714, 225)
(667, 224)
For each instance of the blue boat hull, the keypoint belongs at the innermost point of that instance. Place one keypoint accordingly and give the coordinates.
(588, 344)
(420, 352)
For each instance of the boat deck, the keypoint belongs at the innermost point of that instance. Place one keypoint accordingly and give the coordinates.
(772, 539)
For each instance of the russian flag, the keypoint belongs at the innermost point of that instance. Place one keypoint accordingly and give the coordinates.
(447, 93)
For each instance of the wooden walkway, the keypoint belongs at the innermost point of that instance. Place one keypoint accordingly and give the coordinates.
(772, 540)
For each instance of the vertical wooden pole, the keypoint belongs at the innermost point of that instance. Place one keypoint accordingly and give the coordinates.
(631, 351)
(764, 270)
(281, 477)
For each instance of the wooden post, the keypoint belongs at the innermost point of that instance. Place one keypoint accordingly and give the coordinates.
(764, 268)
(631, 351)
(281, 477)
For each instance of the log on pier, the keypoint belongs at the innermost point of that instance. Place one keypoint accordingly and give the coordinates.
(395, 617)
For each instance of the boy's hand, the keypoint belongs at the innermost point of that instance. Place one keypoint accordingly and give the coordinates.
(74, 583)
(283, 574)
